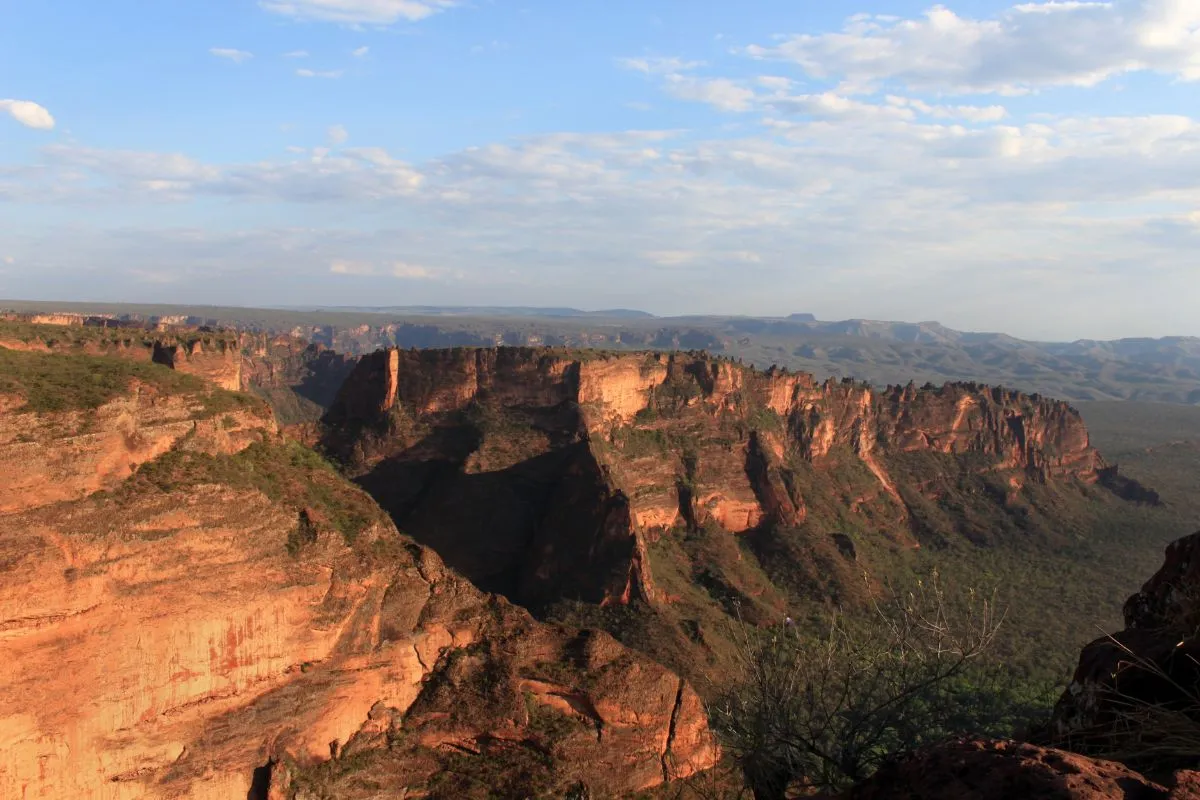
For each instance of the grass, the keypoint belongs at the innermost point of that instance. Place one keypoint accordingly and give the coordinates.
(288, 473)
(51, 382)
(54, 382)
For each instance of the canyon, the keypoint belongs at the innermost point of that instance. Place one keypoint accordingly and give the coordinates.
(193, 606)
(576, 469)
(240, 564)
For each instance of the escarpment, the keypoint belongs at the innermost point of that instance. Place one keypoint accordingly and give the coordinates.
(298, 379)
(545, 475)
(73, 425)
(234, 619)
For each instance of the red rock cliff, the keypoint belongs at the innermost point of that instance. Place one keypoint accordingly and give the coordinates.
(541, 473)
(235, 620)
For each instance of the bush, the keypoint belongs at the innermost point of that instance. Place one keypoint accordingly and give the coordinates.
(825, 711)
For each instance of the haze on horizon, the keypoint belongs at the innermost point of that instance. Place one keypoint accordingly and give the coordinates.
(1031, 168)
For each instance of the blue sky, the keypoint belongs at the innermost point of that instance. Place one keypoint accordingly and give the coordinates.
(1027, 167)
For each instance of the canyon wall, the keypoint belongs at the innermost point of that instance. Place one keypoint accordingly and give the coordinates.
(544, 474)
(193, 607)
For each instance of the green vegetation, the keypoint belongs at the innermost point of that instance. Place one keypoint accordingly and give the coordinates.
(51, 382)
(1157, 444)
(287, 472)
(95, 337)
(760, 418)
(825, 709)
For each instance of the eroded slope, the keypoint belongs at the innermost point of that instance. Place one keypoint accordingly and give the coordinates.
(235, 619)
(703, 489)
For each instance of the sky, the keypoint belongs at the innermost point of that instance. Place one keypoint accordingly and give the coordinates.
(1032, 168)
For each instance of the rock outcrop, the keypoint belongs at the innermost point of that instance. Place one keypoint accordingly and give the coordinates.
(300, 380)
(214, 356)
(1001, 770)
(54, 457)
(481, 452)
(235, 620)
(1139, 685)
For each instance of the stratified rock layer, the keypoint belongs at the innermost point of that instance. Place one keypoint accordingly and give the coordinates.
(543, 474)
(235, 620)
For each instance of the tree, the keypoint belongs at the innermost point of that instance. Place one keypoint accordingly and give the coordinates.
(824, 711)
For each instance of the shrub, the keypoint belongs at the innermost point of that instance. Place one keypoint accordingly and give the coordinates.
(825, 711)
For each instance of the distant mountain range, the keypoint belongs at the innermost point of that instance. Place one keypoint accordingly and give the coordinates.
(490, 311)
(880, 352)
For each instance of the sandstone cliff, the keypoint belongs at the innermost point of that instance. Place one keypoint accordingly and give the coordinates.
(299, 380)
(235, 620)
(544, 474)
(214, 356)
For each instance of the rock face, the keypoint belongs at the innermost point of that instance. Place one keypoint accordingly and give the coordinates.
(49, 458)
(213, 356)
(235, 620)
(999, 770)
(544, 475)
(299, 380)
(1144, 676)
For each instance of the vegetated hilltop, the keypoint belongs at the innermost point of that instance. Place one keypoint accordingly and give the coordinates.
(297, 378)
(234, 619)
(881, 353)
(662, 495)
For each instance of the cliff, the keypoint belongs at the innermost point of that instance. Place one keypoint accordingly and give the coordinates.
(544, 474)
(297, 379)
(233, 619)
(214, 356)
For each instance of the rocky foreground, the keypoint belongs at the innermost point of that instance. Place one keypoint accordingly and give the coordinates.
(1135, 696)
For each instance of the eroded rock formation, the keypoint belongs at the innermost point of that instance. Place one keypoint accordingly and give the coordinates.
(49, 458)
(235, 620)
(481, 453)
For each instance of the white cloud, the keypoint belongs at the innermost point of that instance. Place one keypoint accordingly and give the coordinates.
(658, 66)
(312, 73)
(366, 12)
(313, 176)
(721, 93)
(397, 269)
(361, 52)
(338, 135)
(28, 113)
(1027, 47)
(296, 54)
(343, 266)
(236, 56)
(993, 113)
(670, 258)
(10, 260)
(830, 105)
(412, 271)
(902, 196)
(774, 82)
